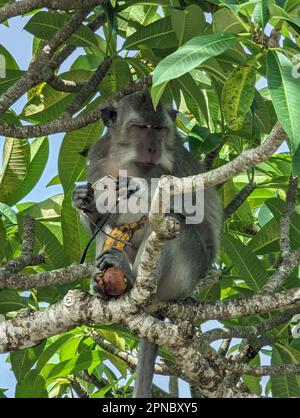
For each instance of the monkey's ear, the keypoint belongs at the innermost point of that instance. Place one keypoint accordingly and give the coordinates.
(173, 113)
(109, 115)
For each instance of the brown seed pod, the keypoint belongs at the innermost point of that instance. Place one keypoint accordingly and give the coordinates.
(112, 282)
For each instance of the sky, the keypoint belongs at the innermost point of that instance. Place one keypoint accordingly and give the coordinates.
(19, 43)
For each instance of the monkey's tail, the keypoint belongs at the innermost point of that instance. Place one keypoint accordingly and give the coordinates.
(145, 369)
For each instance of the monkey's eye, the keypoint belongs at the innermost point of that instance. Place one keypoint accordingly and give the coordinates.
(141, 127)
(158, 128)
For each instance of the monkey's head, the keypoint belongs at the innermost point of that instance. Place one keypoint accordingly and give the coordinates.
(141, 136)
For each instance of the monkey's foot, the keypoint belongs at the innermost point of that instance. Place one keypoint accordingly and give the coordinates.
(114, 276)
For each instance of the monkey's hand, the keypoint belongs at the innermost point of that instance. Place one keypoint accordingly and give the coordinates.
(83, 198)
(112, 258)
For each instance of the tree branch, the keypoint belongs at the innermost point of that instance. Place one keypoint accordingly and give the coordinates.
(21, 7)
(235, 308)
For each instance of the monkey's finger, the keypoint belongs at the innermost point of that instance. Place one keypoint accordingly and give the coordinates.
(113, 250)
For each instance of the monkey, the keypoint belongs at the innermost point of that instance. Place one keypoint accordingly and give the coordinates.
(147, 144)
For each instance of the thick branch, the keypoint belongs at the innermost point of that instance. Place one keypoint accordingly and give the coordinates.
(38, 69)
(124, 355)
(27, 258)
(67, 86)
(89, 88)
(21, 7)
(285, 220)
(239, 199)
(61, 276)
(235, 308)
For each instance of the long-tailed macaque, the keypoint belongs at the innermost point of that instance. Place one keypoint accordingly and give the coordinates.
(145, 142)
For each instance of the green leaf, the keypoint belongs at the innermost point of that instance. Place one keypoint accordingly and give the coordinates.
(11, 76)
(284, 386)
(253, 382)
(70, 161)
(26, 389)
(159, 34)
(39, 150)
(276, 12)
(10, 62)
(251, 268)
(16, 159)
(261, 13)
(48, 104)
(8, 213)
(47, 210)
(224, 20)
(266, 240)
(22, 361)
(53, 346)
(116, 78)
(78, 363)
(11, 301)
(188, 23)
(283, 87)
(45, 24)
(238, 94)
(157, 92)
(54, 251)
(192, 54)
(75, 236)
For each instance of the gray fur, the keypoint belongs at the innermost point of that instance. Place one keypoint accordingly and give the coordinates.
(185, 259)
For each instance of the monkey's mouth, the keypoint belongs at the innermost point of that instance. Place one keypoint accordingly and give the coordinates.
(145, 166)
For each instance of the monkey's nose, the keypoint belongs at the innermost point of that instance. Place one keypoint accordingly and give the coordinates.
(152, 150)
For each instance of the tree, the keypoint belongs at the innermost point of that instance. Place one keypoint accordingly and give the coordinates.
(211, 60)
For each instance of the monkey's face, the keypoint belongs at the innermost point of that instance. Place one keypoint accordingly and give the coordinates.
(142, 136)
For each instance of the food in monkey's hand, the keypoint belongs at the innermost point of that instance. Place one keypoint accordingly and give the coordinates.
(113, 281)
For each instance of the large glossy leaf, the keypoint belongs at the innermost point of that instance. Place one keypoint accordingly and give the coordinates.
(261, 13)
(11, 76)
(44, 25)
(70, 162)
(26, 389)
(8, 213)
(276, 12)
(246, 262)
(266, 241)
(22, 361)
(224, 20)
(238, 94)
(188, 23)
(194, 97)
(75, 236)
(47, 210)
(283, 87)
(10, 62)
(54, 251)
(39, 150)
(47, 104)
(53, 346)
(10, 301)
(192, 54)
(78, 363)
(285, 386)
(16, 159)
(159, 34)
